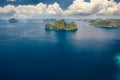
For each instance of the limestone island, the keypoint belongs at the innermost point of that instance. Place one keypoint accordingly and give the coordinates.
(13, 20)
(105, 24)
(61, 25)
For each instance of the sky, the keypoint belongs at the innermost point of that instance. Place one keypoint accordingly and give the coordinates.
(58, 8)
(63, 3)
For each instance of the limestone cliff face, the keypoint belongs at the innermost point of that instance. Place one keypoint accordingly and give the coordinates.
(61, 25)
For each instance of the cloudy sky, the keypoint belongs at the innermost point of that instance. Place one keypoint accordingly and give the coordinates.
(58, 8)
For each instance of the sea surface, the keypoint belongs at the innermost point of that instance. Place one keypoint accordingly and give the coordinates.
(29, 52)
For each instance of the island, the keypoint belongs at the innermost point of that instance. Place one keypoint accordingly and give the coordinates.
(61, 25)
(13, 20)
(105, 24)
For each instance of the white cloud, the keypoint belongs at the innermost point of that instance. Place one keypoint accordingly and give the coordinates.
(28, 11)
(77, 8)
(95, 7)
(54, 9)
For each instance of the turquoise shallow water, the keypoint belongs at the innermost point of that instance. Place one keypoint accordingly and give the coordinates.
(29, 52)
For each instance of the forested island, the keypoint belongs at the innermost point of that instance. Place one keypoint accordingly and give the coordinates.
(61, 25)
(105, 23)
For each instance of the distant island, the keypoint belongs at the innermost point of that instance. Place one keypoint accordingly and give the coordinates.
(13, 20)
(105, 23)
(49, 20)
(61, 25)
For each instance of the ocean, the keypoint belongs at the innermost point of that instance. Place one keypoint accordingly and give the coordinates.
(29, 52)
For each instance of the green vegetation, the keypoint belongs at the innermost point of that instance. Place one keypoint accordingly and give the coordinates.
(71, 26)
(105, 23)
(50, 26)
(61, 25)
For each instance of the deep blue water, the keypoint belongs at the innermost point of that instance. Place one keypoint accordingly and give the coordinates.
(29, 52)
